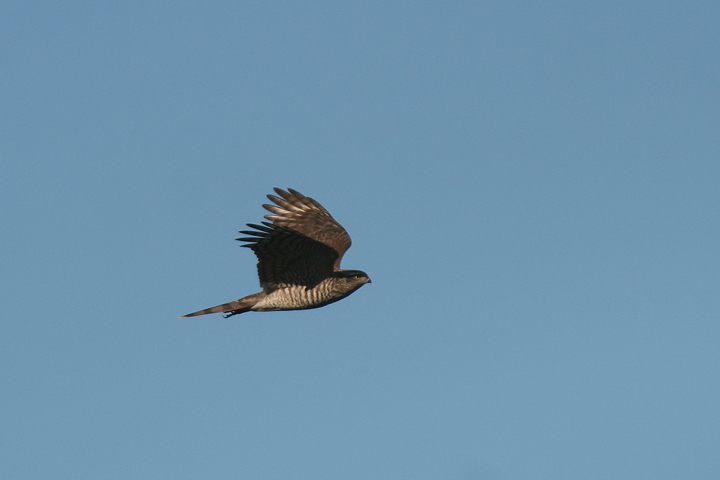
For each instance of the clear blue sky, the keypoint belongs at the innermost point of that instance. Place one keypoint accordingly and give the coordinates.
(534, 188)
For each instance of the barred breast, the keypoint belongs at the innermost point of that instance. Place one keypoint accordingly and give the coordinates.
(298, 297)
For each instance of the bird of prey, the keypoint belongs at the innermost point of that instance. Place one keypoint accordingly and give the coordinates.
(299, 252)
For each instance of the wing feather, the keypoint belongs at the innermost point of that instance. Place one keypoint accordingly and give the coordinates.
(302, 214)
(286, 257)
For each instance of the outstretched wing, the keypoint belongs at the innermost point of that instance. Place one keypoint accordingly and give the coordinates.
(287, 257)
(304, 215)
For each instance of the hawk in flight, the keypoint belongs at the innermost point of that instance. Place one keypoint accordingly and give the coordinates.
(299, 252)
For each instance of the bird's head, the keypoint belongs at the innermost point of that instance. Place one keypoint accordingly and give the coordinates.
(356, 278)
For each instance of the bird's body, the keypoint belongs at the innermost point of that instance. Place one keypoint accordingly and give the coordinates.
(299, 257)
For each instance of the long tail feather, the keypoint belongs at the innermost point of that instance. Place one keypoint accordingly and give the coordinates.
(238, 306)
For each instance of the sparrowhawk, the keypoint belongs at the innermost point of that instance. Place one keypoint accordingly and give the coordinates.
(299, 252)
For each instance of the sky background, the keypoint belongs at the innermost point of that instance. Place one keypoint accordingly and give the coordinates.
(533, 187)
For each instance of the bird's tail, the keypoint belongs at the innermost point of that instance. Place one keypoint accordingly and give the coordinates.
(243, 305)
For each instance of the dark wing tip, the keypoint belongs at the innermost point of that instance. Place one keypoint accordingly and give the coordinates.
(260, 232)
(280, 192)
(265, 227)
(287, 194)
